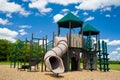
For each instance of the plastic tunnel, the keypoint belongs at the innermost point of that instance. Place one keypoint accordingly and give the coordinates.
(53, 59)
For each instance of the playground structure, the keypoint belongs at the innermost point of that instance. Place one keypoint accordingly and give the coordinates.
(78, 43)
(33, 61)
(63, 52)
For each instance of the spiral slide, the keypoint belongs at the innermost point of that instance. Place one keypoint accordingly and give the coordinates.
(53, 59)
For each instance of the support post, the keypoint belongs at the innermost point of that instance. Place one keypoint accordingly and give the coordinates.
(53, 36)
(58, 30)
(42, 54)
(31, 50)
(46, 48)
(38, 56)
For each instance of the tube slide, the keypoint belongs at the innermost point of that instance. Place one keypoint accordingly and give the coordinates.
(53, 59)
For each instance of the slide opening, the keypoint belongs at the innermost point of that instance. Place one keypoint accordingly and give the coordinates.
(55, 62)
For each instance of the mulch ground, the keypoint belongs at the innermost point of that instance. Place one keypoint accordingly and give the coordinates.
(7, 73)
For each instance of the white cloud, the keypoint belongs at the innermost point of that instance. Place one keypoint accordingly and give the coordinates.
(85, 13)
(12, 7)
(106, 9)
(65, 10)
(24, 13)
(8, 34)
(115, 52)
(57, 17)
(114, 55)
(3, 21)
(107, 15)
(40, 5)
(75, 12)
(89, 18)
(89, 5)
(64, 2)
(97, 4)
(9, 15)
(105, 40)
(41, 42)
(25, 0)
(24, 26)
(22, 32)
(118, 48)
(112, 43)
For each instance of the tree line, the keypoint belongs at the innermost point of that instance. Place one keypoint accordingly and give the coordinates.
(19, 50)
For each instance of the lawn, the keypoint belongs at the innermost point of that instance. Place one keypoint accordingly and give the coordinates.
(114, 66)
(111, 66)
(4, 63)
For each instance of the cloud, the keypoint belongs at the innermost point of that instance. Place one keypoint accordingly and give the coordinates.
(40, 5)
(64, 2)
(106, 9)
(114, 55)
(89, 18)
(8, 34)
(3, 21)
(22, 32)
(112, 42)
(12, 7)
(85, 13)
(97, 4)
(75, 12)
(105, 40)
(41, 42)
(118, 48)
(25, 0)
(107, 15)
(57, 17)
(65, 10)
(9, 15)
(25, 26)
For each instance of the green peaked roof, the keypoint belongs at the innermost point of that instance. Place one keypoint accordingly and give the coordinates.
(70, 17)
(90, 29)
(75, 21)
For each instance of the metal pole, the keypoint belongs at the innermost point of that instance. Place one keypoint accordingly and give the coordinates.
(46, 48)
(42, 55)
(38, 56)
(53, 39)
(31, 51)
(58, 30)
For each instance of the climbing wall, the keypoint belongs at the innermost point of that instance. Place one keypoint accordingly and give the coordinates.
(86, 61)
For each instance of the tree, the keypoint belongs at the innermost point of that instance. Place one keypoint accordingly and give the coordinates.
(5, 49)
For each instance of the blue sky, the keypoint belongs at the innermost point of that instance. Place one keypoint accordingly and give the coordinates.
(20, 18)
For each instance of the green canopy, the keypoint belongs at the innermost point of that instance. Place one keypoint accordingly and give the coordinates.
(90, 29)
(75, 21)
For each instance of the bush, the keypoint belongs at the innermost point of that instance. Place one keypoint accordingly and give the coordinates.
(114, 62)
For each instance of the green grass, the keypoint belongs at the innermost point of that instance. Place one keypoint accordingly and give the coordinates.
(111, 66)
(114, 66)
(4, 63)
